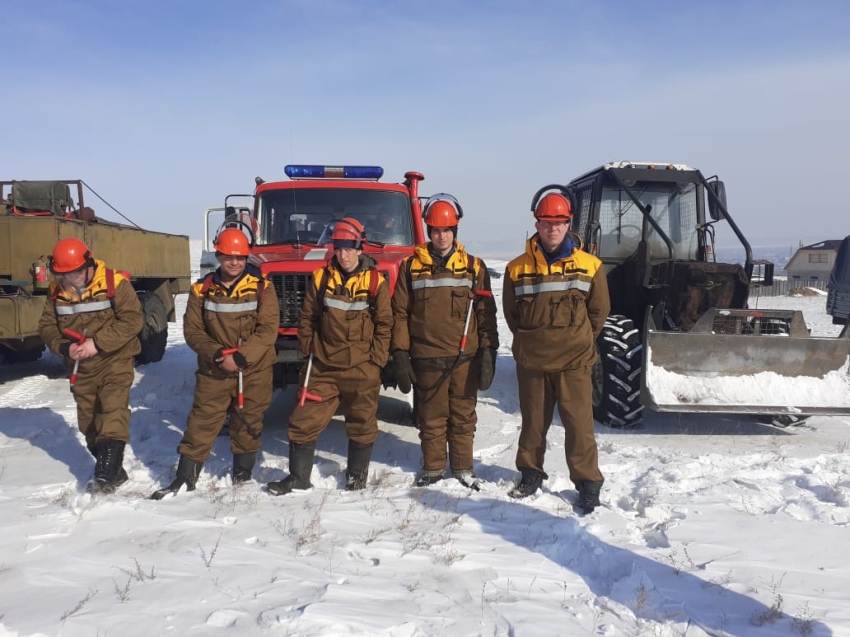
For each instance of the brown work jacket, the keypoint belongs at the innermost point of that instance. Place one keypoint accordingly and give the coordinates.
(217, 317)
(346, 321)
(431, 303)
(113, 323)
(556, 310)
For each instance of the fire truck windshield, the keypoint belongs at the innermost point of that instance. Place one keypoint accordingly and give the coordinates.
(300, 215)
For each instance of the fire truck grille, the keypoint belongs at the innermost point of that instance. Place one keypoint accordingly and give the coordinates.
(290, 289)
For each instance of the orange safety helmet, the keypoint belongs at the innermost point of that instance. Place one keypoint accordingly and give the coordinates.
(441, 214)
(348, 233)
(70, 255)
(232, 243)
(553, 206)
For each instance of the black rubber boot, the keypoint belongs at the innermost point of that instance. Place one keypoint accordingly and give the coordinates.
(467, 478)
(588, 495)
(109, 473)
(300, 468)
(93, 451)
(428, 477)
(528, 485)
(243, 465)
(357, 473)
(187, 474)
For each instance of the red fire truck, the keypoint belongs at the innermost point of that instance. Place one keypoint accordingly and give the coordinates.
(290, 222)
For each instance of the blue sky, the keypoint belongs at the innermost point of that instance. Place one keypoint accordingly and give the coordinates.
(166, 107)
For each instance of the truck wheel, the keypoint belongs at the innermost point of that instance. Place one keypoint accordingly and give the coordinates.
(154, 334)
(21, 356)
(617, 374)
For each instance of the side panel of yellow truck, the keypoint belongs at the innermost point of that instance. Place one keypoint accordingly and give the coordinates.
(158, 263)
(143, 253)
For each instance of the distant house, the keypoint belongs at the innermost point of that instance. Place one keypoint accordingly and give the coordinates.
(814, 262)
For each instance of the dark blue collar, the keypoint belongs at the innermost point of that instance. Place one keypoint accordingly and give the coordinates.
(561, 252)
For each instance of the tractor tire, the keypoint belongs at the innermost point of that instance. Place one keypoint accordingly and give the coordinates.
(617, 374)
(154, 334)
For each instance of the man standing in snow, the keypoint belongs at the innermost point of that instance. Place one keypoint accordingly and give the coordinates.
(93, 317)
(231, 322)
(344, 327)
(555, 301)
(444, 341)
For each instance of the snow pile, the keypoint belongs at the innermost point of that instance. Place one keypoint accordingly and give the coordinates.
(758, 390)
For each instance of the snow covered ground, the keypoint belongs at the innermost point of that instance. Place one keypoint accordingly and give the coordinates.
(711, 525)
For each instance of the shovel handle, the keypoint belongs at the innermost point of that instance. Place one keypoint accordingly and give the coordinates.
(240, 397)
(76, 336)
(304, 394)
(80, 338)
(466, 326)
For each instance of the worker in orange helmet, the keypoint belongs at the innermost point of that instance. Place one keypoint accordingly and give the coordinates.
(445, 341)
(344, 325)
(99, 304)
(231, 322)
(555, 299)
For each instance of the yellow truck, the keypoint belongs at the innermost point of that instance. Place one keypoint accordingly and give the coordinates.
(34, 215)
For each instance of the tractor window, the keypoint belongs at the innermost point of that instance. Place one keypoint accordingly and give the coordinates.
(301, 214)
(674, 208)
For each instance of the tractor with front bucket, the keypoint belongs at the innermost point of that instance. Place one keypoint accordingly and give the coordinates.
(683, 335)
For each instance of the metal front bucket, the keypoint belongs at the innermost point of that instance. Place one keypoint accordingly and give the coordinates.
(705, 371)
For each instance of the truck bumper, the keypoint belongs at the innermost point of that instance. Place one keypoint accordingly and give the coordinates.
(288, 364)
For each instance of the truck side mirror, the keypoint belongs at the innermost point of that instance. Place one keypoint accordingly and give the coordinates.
(715, 211)
(767, 277)
(763, 275)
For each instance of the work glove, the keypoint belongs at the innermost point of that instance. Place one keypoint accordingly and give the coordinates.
(240, 360)
(487, 368)
(404, 376)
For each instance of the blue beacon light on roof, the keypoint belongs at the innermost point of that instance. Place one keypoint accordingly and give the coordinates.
(302, 171)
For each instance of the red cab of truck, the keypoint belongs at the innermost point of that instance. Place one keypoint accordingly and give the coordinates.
(291, 223)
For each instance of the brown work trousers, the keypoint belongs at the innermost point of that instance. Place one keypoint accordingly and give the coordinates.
(217, 397)
(356, 390)
(446, 407)
(572, 390)
(103, 399)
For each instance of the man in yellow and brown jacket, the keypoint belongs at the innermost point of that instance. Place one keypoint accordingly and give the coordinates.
(231, 322)
(344, 329)
(444, 342)
(93, 317)
(555, 300)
